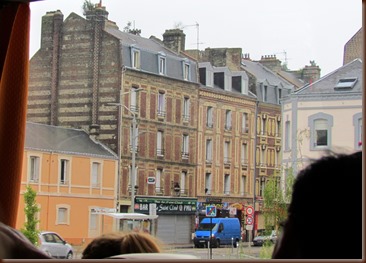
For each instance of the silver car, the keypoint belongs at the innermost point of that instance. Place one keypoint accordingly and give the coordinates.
(261, 239)
(54, 245)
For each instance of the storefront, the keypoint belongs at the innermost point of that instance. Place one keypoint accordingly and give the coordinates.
(175, 223)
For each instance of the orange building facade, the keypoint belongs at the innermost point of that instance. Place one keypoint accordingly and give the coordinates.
(71, 183)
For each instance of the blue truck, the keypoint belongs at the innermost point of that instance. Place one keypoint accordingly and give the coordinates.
(224, 231)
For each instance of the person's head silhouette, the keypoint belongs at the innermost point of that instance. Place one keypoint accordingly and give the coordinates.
(325, 214)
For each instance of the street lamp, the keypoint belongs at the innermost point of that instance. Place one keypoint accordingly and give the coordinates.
(134, 123)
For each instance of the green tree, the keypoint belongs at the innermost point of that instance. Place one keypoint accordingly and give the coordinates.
(31, 209)
(276, 200)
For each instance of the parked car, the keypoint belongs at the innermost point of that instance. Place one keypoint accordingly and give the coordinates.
(262, 238)
(54, 245)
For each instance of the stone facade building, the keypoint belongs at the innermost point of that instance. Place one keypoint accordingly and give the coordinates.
(89, 75)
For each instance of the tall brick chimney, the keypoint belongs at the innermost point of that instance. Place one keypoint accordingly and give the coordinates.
(51, 28)
(271, 62)
(311, 73)
(97, 17)
(223, 57)
(174, 39)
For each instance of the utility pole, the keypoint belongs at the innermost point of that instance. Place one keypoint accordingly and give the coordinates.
(133, 170)
(133, 140)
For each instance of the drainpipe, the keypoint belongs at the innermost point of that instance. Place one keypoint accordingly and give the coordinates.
(255, 161)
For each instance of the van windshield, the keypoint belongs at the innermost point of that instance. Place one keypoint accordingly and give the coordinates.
(206, 226)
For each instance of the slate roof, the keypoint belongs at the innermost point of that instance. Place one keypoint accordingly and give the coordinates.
(47, 138)
(326, 84)
(291, 77)
(263, 74)
(142, 43)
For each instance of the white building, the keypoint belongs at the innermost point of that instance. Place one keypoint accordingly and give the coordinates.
(325, 115)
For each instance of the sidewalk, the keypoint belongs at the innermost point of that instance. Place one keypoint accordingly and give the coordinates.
(191, 245)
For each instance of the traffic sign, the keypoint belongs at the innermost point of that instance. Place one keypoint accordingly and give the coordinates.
(249, 210)
(211, 211)
(249, 227)
(249, 220)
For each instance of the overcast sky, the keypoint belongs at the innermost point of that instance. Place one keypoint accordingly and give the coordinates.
(297, 30)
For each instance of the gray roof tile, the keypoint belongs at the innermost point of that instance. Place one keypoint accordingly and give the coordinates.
(47, 138)
(326, 84)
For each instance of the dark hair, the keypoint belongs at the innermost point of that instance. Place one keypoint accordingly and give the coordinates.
(326, 207)
(114, 244)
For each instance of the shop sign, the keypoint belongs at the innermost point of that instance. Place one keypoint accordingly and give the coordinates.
(166, 205)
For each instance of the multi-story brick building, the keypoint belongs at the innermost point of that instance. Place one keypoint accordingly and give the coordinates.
(259, 104)
(225, 168)
(87, 71)
(354, 47)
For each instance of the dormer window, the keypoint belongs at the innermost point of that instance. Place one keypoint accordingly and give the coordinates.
(135, 58)
(186, 71)
(162, 63)
(346, 83)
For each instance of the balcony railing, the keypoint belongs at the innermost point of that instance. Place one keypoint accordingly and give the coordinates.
(227, 160)
(228, 127)
(160, 152)
(161, 113)
(209, 125)
(185, 155)
(185, 117)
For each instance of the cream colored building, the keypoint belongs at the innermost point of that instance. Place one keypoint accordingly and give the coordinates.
(324, 116)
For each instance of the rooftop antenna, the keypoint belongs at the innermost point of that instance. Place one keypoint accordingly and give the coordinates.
(198, 34)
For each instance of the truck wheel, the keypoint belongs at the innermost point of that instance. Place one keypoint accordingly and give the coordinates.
(236, 243)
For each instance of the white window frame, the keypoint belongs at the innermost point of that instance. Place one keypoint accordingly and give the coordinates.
(34, 168)
(327, 123)
(183, 180)
(227, 186)
(186, 71)
(185, 146)
(263, 157)
(228, 119)
(243, 180)
(186, 109)
(135, 58)
(134, 99)
(244, 154)
(161, 104)
(245, 122)
(162, 63)
(227, 156)
(64, 171)
(209, 121)
(160, 143)
(62, 214)
(94, 221)
(209, 147)
(96, 174)
(263, 126)
(158, 176)
(208, 183)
